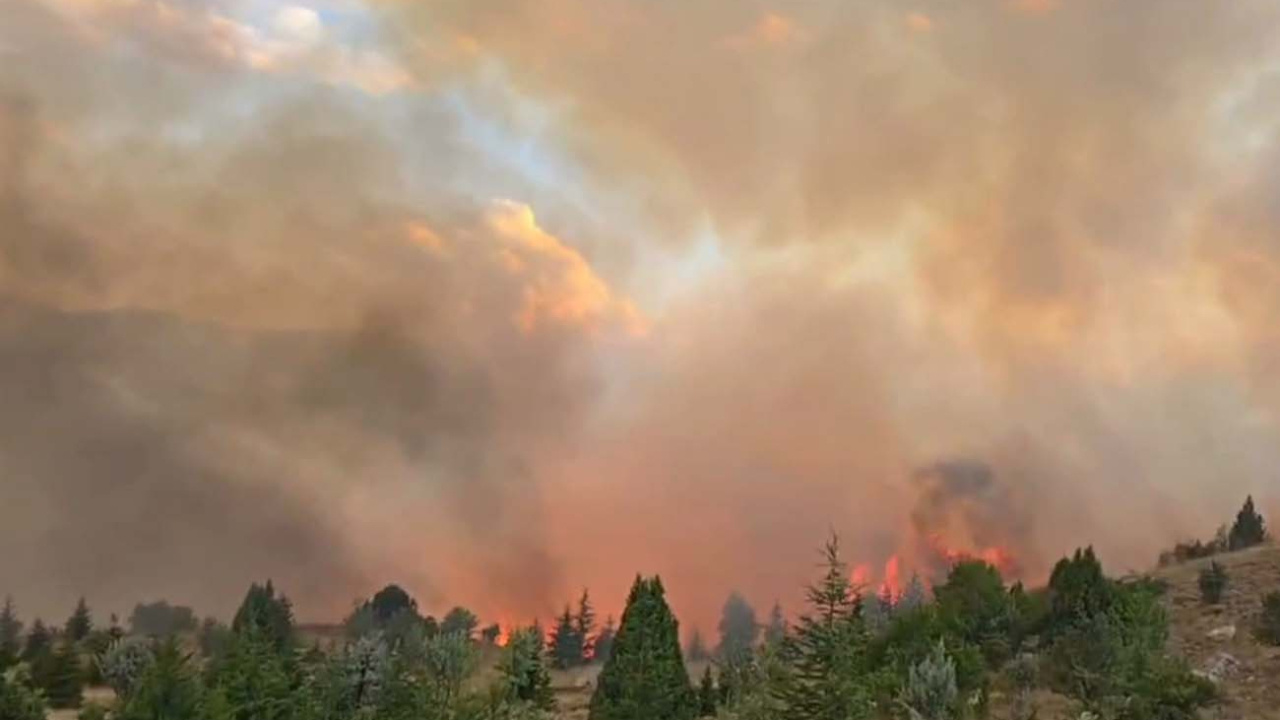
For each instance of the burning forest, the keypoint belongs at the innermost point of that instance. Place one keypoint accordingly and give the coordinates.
(495, 300)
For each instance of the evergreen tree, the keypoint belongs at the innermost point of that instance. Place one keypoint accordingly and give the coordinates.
(267, 617)
(708, 695)
(391, 601)
(160, 619)
(39, 642)
(913, 596)
(80, 624)
(776, 631)
(524, 674)
(697, 648)
(604, 642)
(19, 699)
(253, 679)
(167, 690)
(1078, 591)
(460, 620)
(10, 635)
(1249, 529)
(490, 634)
(63, 678)
(738, 628)
(645, 676)
(584, 624)
(975, 607)
(565, 644)
(826, 653)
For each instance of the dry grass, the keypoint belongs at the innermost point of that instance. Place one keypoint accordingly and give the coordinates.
(1253, 692)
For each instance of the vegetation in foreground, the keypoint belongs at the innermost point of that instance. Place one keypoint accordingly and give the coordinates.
(1098, 641)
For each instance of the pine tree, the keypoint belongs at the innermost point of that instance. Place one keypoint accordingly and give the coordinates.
(1249, 529)
(1213, 583)
(80, 624)
(776, 631)
(584, 624)
(19, 699)
(460, 620)
(708, 695)
(267, 616)
(39, 642)
(167, 690)
(697, 649)
(524, 673)
(253, 678)
(645, 677)
(604, 642)
(565, 645)
(826, 653)
(10, 635)
(738, 628)
(63, 678)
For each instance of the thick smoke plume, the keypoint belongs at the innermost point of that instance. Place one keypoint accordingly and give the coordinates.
(500, 298)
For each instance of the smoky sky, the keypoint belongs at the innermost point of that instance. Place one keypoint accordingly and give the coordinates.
(498, 299)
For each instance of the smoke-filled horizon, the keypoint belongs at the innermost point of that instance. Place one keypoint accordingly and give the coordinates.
(499, 299)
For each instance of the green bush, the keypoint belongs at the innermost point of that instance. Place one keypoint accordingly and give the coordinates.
(1213, 583)
(19, 698)
(1268, 630)
(930, 692)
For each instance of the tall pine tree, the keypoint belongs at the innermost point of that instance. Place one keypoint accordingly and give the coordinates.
(10, 635)
(80, 624)
(584, 624)
(63, 678)
(268, 616)
(826, 654)
(603, 646)
(645, 677)
(565, 645)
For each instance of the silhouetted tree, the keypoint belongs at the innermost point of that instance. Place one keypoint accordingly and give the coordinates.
(584, 624)
(1249, 528)
(160, 619)
(389, 602)
(39, 642)
(604, 642)
(80, 624)
(708, 695)
(696, 651)
(10, 635)
(460, 620)
(565, 645)
(738, 627)
(776, 630)
(266, 615)
(491, 634)
(645, 677)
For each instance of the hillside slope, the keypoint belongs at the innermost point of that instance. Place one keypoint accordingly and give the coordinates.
(1251, 680)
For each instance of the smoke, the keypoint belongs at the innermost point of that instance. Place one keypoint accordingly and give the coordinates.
(492, 300)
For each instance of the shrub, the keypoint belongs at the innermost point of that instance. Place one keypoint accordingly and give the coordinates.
(124, 663)
(1269, 623)
(1213, 583)
(19, 699)
(524, 674)
(931, 692)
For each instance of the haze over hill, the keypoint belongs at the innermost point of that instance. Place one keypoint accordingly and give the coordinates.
(500, 299)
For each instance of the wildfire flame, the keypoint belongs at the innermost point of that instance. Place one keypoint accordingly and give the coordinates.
(930, 560)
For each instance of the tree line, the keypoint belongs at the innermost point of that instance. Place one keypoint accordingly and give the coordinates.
(937, 654)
